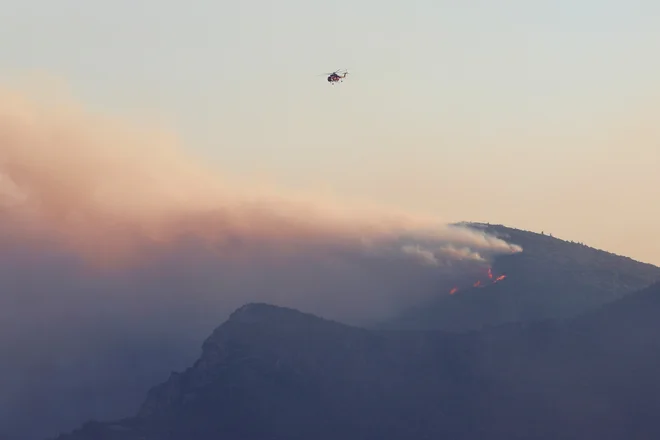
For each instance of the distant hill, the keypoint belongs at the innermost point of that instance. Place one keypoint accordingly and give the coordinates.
(550, 278)
(275, 373)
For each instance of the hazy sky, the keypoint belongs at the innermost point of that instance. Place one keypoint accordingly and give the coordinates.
(538, 114)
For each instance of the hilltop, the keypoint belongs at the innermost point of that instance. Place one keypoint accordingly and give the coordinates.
(276, 373)
(108, 377)
(550, 278)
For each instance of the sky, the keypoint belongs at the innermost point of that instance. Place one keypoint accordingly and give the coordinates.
(539, 115)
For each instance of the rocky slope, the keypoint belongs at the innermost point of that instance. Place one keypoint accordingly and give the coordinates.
(275, 373)
(108, 375)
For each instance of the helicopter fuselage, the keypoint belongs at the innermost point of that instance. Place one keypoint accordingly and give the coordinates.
(335, 78)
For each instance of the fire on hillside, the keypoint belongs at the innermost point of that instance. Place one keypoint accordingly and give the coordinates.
(491, 279)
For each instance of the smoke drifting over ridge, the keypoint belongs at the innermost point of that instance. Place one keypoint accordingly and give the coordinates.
(112, 235)
(109, 192)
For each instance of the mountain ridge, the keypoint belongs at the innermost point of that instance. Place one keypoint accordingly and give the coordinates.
(519, 303)
(550, 278)
(273, 372)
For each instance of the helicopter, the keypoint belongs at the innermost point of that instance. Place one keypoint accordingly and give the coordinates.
(335, 76)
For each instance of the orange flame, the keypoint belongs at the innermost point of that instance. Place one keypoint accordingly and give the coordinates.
(479, 283)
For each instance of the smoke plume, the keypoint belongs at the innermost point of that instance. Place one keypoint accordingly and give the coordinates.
(114, 242)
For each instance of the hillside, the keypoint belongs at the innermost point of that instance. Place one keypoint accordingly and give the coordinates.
(551, 278)
(108, 378)
(275, 373)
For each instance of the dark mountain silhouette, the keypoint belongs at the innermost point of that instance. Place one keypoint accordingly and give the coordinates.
(551, 278)
(275, 373)
(108, 377)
